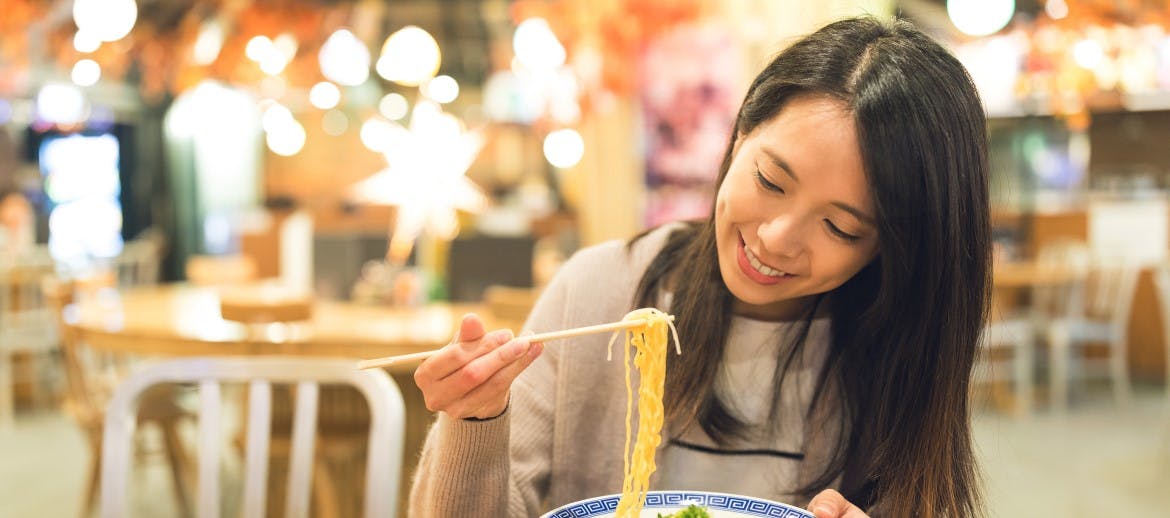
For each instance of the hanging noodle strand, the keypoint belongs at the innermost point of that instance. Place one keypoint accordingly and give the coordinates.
(649, 342)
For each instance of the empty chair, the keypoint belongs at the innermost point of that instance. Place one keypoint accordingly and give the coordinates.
(384, 451)
(1162, 285)
(1095, 313)
(26, 323)
(88, 388)
(1006, 354)
(1008, 346)
(138, 264)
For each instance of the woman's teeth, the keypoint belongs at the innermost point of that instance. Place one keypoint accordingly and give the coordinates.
(761, 267)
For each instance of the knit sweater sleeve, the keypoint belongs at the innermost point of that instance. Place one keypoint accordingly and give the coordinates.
(498, 467)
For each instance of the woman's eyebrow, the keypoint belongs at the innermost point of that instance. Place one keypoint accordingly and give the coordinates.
(778, 161)
(857, 213)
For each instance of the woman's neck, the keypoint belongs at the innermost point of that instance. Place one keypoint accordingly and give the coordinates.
(782, 311)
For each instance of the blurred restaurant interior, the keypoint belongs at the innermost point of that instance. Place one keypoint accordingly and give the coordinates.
(346, 178)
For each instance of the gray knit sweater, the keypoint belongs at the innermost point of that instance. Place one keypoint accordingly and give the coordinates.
(561, 438)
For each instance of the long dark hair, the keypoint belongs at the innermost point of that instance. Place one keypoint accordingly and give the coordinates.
(905, 329)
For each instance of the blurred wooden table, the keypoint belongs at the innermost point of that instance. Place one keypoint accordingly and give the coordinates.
(1011, 281)
(184, 320)
(1026, 274)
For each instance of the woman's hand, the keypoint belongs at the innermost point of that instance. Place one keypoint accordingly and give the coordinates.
(471, 376)
(830, 504)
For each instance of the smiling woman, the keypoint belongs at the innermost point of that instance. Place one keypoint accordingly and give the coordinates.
(830, 305)
(858, 171)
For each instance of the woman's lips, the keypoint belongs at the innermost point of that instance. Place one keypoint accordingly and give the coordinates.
(754, 273)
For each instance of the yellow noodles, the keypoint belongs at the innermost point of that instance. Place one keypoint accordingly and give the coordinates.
(650, 342)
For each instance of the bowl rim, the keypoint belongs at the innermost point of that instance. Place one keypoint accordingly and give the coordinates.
(772, 507)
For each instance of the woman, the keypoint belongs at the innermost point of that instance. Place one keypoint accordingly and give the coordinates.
(16, 223)
(829, 310)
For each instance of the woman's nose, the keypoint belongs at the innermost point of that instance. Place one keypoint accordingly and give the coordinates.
(782, 236)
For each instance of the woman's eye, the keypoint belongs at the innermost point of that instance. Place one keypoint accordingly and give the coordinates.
(841, 233)
(765, 183)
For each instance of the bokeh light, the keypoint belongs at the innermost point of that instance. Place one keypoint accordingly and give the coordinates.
(324, 95)
(344, 59)
(980, 17)
(393, 106)
(85, 42)
(409, 57)
(536, 47)
(334, 122)
(106, 20)
(86, 72)
(208, 43)
(564, 148)
(61, 104)
(287, 138)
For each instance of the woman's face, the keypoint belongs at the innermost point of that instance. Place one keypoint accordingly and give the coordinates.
(794, 216)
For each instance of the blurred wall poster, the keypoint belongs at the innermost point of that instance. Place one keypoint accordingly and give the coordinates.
(690, 91)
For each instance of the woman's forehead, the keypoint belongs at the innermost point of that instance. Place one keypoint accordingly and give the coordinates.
(814, 141)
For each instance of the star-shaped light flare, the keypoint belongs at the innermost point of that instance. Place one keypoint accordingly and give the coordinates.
(425, 178)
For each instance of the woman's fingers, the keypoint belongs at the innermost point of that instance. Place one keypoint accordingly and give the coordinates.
(470, 342)
(490, 399)
(453, 393)
(470, 329)
(471, 376)
(830, 504)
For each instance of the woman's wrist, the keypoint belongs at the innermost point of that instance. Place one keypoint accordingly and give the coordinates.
(507, 403)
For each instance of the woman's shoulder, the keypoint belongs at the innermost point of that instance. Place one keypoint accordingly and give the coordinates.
(630, 255)
(613, 269)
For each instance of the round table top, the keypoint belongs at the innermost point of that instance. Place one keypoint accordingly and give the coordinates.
(184, 320)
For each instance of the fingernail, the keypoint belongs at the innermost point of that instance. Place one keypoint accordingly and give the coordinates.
(534, 351)
(526, 333)
(500, 336)
(517, 349)
(823, 510)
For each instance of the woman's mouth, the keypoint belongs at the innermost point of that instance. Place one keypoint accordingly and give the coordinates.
(756, 270)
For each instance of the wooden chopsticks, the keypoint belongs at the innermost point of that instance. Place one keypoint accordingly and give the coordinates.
(540, 337)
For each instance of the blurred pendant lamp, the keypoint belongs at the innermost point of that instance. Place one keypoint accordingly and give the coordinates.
(980, 17)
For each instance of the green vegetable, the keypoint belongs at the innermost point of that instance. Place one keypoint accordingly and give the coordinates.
(692, 511)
